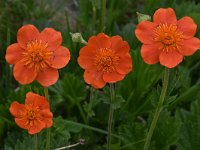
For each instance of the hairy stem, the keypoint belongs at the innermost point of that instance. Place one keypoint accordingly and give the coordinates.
(46, 94)
(111, 111)
(158, 109)
(36, 142)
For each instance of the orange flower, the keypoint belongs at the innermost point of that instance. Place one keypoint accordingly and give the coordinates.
(37, 56)
(166, 39)
(35, 115)
(105, 60)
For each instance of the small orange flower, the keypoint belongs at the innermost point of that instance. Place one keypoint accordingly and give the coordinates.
(105, 60)
(166, 39)
(35, 115)
(37, 56)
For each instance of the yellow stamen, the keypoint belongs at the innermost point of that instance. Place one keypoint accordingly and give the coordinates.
(168, 36)
(105, 60)
(37, 56)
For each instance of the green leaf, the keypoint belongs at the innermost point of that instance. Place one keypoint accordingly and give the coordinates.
(189, 135)
(64, 128)
(133, 134)
(167, 131)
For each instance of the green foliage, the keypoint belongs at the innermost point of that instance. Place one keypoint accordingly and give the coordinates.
(81, 111)
(189, 134)
(167, 131)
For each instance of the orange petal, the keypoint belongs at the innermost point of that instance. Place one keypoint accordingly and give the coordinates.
(48, 122)
(165, 15)
(23, 74)
(94, 78)
(47, 77)
(22, 123)
(100, 41)
(61, 57)
(47, 117)
(125, 65)
(112, 77)
(98, 83)
(170, 59)
(37, 127)
(46, 113)
(14, 53)
(89, 76)
(53, 38)
(150, 53)
(30, 98)
(144, 32)
(115, 40)
(190, 46)
(187, 26)
(17, 109)
(88, 50)
(26, 34)
(36, 100)
(41, 102)
(86, 62)
(86, 56)
(117, 44)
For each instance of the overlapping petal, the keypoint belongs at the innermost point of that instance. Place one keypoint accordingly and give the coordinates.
(52, 37)
(36, 54)
(169, 41)
(105, 60)
(34, 115)
(150, 53)
(113, 77)
(16, 109)
(144, 32)
(26, 34)
(61, 57)
(190, 46)
(126, 66)
(99, 41)
(14, 53)
(170, 59)
(187, 26)
(164, 15)
(23, 74)
(48, 77)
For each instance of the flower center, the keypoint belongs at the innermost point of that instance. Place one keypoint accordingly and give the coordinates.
(105, 60)
(37, 56)
(168, 36)
(31, 115)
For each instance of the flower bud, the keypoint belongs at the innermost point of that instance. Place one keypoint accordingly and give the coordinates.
(77, 37)
(143, 17)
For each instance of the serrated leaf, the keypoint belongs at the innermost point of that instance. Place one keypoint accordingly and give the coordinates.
(189, 135)
(116, 103)
(167, 131)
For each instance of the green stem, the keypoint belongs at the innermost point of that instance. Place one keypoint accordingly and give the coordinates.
(103, 16)
(92, 128)
(82, 112)
(158, 109)
(94, 10)
(46, 94)
(90, 103)
(111, 111)
(36, 141)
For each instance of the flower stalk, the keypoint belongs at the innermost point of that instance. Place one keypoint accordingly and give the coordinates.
(46, 94)
(36, 141)
(103, 16)
(111, 111)
(158, 109)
